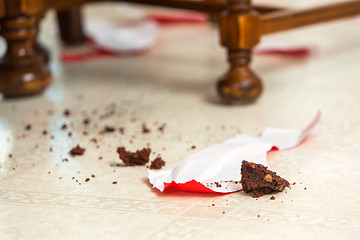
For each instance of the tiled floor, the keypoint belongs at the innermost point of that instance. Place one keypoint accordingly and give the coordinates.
(174, 84)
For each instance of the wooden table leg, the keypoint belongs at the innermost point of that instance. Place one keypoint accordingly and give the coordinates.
(240, 31)
(22, 70)
(70, 25)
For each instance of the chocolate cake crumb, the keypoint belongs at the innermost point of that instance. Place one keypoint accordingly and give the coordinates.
(85, 133)
(223, 212)
(140, 157)
(213, 204)
(108, 129)
(49, 172)
(77, 151)
(158, 163)
(304, 188)
(162, 128)
(114, 182)
(44, 132)
(28, 127)
(10, 155)
(100, 158)
(65, 160)
(94, 140)
(193, 147)
(258, 180)
(122, 130)
(218, 185)
(50, 149)
(86, 121)
(67, 112)
(64, 127)
(272, 198)
(92, 175)
(70, 134)
(145, 129)
(258, 216)
(87, 179)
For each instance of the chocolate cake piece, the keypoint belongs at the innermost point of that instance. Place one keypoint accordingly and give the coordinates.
(145, 129)
(258, 180)
(158, 163)
(77, 151)
(108, 129)
(140, 157)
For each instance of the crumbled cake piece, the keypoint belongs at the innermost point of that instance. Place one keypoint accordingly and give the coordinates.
(108, 129)
(77, 151)
(64, 127)
(145, 129)
(162, 128)
(158, 163)
(258, 180)
(67, 113)
(140, 157)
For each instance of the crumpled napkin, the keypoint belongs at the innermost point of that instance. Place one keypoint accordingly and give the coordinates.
(217, 168)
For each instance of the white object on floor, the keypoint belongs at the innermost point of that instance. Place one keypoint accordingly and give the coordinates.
(221, 163)
(119, 38)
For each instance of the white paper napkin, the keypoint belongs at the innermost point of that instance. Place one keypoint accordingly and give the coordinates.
(217, 168)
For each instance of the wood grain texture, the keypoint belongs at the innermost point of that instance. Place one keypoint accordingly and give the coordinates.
(241, 26)
(209, 6)
(2, 8)
(283, 20)
(22, 71)
(70, 26)
(240, 32)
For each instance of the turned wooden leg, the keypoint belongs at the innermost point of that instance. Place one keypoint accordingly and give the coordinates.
(70, 26)
(240, 32)
(22, 70)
